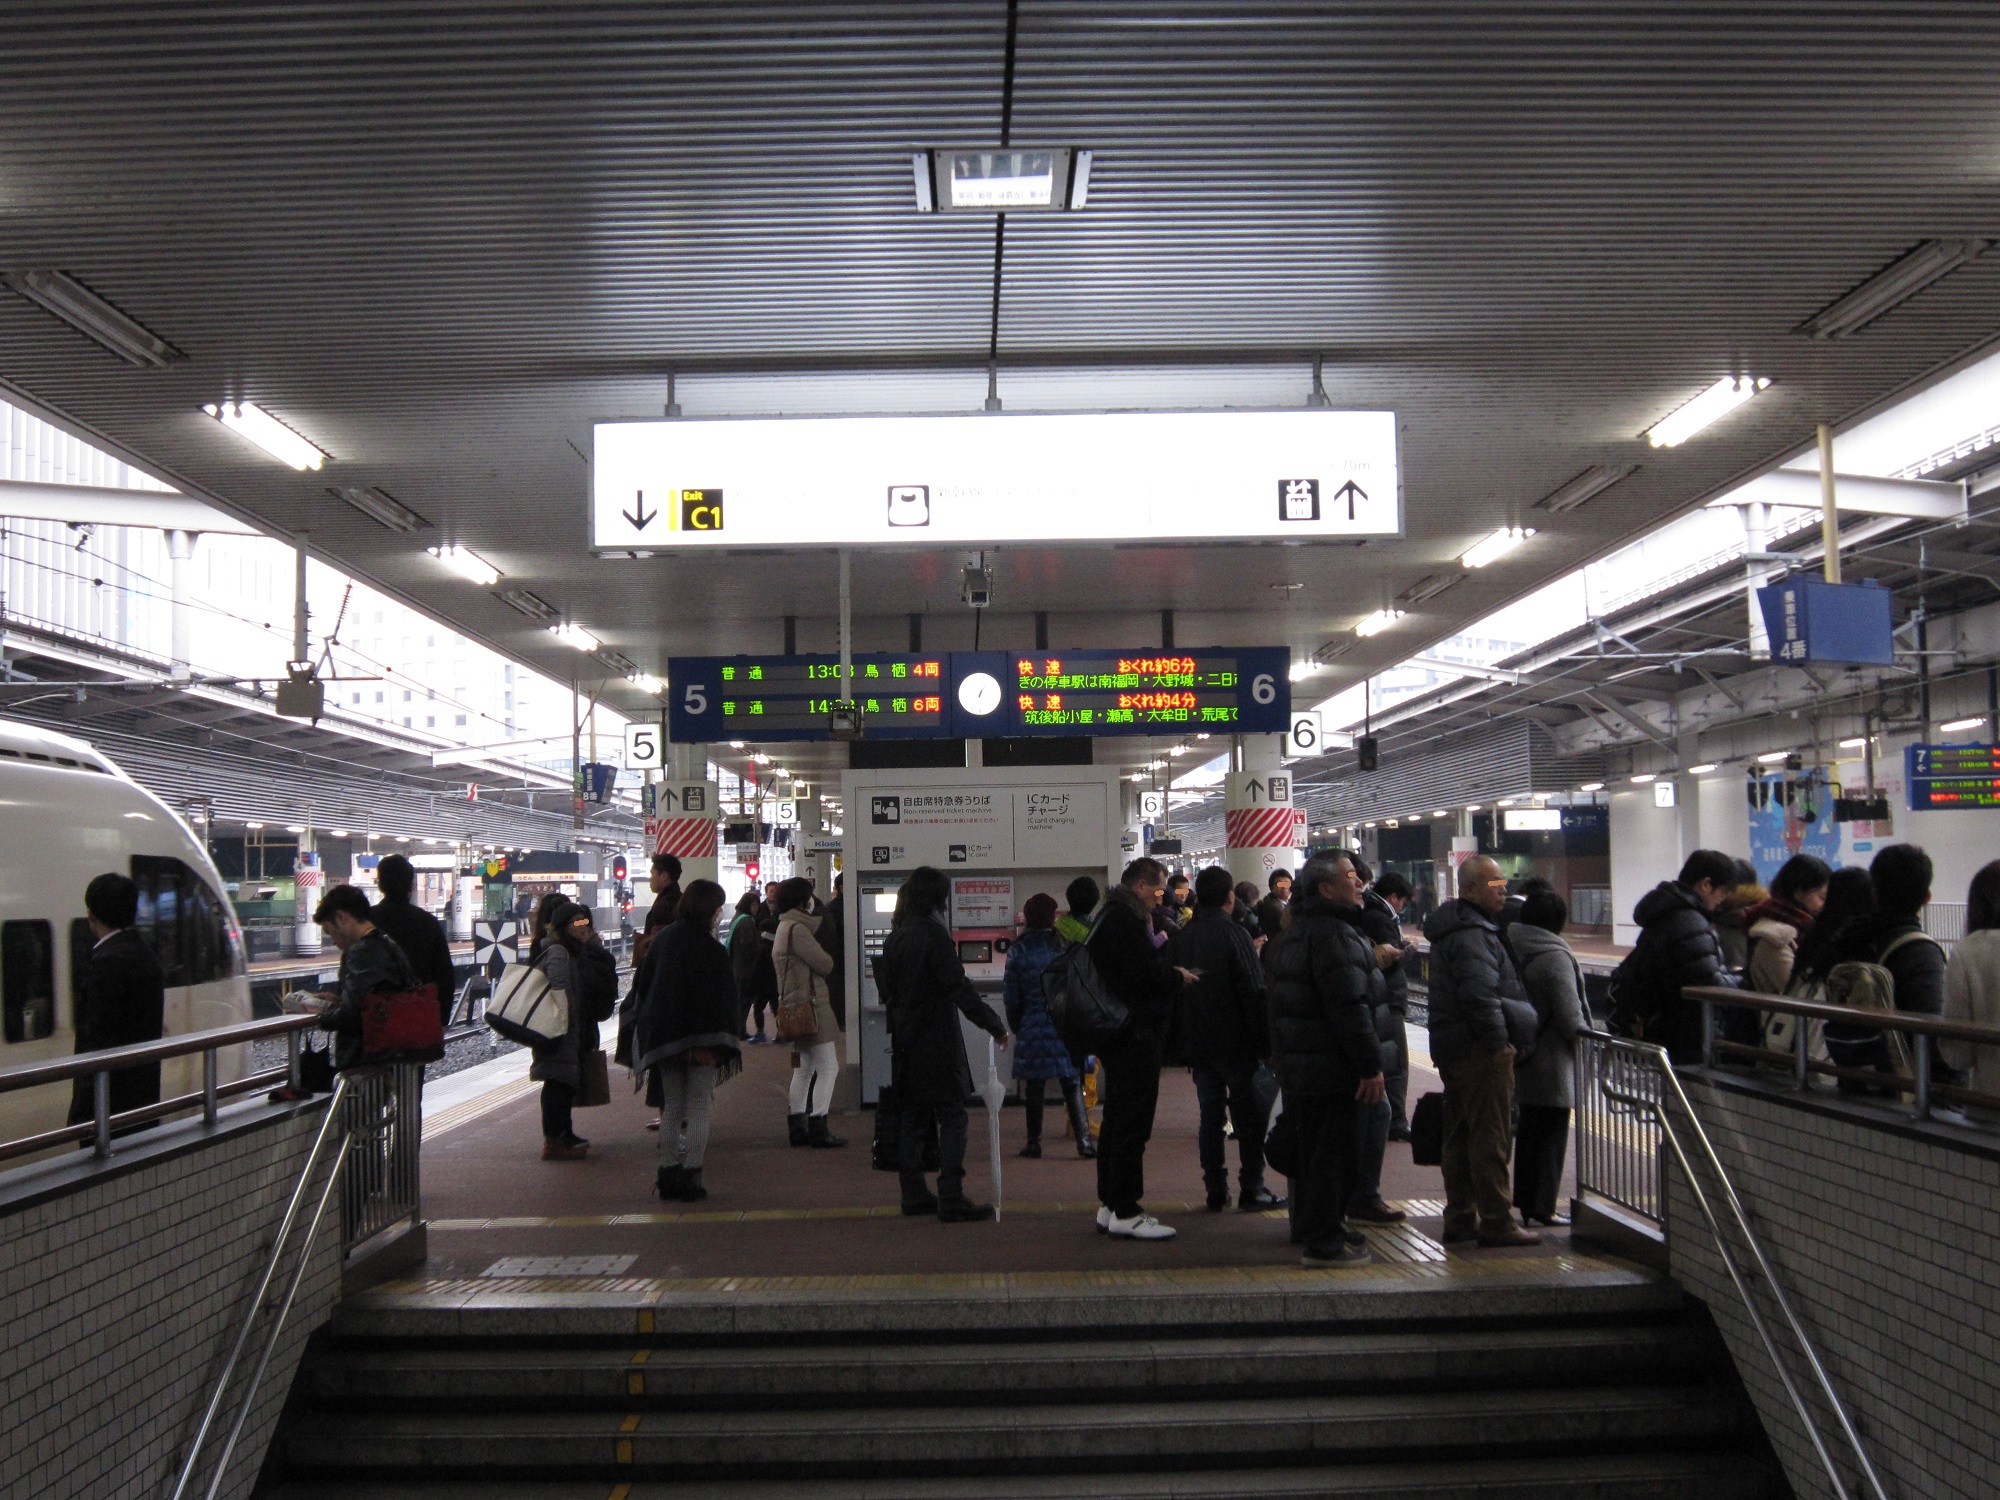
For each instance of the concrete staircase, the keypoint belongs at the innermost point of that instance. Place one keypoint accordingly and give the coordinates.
(1612, 1392)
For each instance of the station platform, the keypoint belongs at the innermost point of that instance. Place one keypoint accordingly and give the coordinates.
(777, 1211)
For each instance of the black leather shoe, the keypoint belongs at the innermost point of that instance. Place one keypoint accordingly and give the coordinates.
(963, 1211)
(1217, 1202)
(819, 1137)
(1260, 1201)
(919, 1208)
(668, 1183)
(795, 1129)
(1032, 1151)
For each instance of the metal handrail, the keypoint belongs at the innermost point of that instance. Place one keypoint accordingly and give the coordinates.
(1657, 1055)
(271, 1263)
(1923, 1031)
(99, 1066)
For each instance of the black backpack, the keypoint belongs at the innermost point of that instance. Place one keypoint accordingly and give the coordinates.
(1085, 1012)
(1637, 1004)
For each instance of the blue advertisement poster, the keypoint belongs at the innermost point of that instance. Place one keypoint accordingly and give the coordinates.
(1791, 816)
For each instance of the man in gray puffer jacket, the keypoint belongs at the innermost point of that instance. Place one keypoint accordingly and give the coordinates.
(1472, 975)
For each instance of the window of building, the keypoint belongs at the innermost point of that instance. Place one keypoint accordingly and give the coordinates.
(27, 980)
(431, 722)
(461, 721)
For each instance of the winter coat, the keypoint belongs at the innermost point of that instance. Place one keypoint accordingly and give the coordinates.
(121, 1001)
(1774, 928)
(802, 965)
(1679, 948)
(421, 937)
(589, 975)
(1224, 1020)
(1554, 982)
(924, 987)
(1039, 1052)
(1380, 922)
(1271, 922)
(1325, 985)
(372, 965)
(690, 1001)
(1133, 969)
(1972, 993)
(832, 936)
(1472, 975)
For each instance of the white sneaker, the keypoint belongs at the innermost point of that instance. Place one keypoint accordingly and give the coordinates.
(1138, 1227)
(1103, 1219)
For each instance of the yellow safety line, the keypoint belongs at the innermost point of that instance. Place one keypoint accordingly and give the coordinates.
(619, 1492)
(479, 1104)
(764, 1216)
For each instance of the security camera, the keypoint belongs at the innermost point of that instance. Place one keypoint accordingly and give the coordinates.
(976, 589)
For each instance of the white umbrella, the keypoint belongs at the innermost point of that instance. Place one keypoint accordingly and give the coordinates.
(993, 1092)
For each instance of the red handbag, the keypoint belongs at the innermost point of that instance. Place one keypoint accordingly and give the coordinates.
(403, 1027)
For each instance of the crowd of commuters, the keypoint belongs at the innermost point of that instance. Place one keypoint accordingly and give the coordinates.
(1296, 993)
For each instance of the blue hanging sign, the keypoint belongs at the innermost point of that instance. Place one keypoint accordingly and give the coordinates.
(1952, 778)
(1811, 620)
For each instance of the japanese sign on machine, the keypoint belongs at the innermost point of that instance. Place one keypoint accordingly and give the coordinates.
(991, 478)
(980, 827)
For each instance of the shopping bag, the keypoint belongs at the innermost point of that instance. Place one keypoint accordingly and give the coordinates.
(402, 1027)
(1427, 1131)
(593, 1083)
(526, 1008)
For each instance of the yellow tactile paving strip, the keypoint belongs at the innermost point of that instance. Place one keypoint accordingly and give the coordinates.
(471, 1109)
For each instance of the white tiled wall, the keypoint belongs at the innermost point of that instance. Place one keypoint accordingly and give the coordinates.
(118, 1303)
(1889, 1249)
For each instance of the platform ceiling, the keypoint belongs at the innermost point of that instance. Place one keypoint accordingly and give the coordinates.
(442, 239)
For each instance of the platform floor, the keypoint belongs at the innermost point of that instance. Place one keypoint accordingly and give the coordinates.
(497, 1211)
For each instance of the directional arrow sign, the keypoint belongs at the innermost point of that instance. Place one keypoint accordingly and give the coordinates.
(1350, 492)
(639, 516)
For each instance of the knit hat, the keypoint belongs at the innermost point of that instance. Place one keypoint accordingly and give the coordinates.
(1040, 910)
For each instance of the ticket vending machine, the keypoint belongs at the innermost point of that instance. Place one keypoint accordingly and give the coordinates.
(1000, 835)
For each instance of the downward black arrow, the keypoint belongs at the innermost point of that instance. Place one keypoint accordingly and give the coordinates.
(639, 516)
(1350, 492)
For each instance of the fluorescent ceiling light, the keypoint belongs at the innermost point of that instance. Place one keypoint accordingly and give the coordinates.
(1497, 546)
(1378, 622)
(1643, 777)
(248, 824)
(379, 505)
(1859, 742)
(94, 318)
(1703, 769)
(618, 661)
(1891, 287)
(467, 564)
(533, 605)
(1585, 487)
(1001, 179)
(575, 637)
(250, 420)
(1441, 812)
(1591, 786)
(1472, 807)
(1957, 724)
(1773, 757)
(1711, 405)
(645, 682)
(1428, 588)
(336, 833)
(736, 744)
(1301, 670)
(295, 828)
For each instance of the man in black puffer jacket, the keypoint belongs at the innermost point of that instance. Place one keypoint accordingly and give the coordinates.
(1377, 921)
(1325, 984)
(1678, 947)
(1472, 975)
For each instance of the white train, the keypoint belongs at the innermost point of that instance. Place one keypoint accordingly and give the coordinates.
(68, 814)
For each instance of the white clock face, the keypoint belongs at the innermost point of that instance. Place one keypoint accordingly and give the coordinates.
(979, 694)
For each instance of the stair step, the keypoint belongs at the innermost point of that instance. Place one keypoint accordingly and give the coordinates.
(541, 1378)
(1066, 1438)
(1642, 1475)
(1116, 1305)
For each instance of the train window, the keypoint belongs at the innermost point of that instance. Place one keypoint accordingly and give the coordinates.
(185, 922)
(27, 980)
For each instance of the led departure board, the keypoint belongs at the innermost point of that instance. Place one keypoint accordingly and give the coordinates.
(1942, 778)
(1148, 691)
(715, 698)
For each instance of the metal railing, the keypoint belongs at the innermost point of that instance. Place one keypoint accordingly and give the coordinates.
(1617, 1126)
(104, 1126)
(1918, 1034)
(383, 1115)
(1625, 1078)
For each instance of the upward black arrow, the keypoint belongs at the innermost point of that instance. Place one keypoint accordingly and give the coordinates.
(1350, 492)
(640, 517)
(1254, 787)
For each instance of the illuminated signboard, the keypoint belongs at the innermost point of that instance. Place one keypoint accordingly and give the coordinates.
(713, 698)
(1943, 778)
(1294, 475)
(1149, 692)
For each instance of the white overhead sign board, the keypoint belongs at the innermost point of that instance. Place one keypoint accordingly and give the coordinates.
(983, 827)
(990, 478)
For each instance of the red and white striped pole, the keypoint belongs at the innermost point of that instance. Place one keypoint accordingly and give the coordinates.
(1264, 829)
